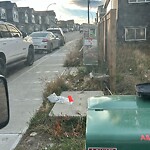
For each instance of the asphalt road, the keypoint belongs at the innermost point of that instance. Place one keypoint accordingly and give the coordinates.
(17, 67)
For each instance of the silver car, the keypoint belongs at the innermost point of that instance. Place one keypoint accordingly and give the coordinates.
(45, 41)
(59, 33)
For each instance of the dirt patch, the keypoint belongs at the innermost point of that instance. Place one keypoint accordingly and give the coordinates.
(50, 133)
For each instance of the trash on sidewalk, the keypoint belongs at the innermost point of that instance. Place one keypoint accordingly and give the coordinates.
(53, 98)
(33, 134)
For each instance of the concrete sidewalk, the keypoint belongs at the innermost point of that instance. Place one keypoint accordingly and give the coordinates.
(25, 94)
(78, 107)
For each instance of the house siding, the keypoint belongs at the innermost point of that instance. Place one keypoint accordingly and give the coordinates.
(132, 15)
(11, 11)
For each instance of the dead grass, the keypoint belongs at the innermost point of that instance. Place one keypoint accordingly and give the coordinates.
(133, 67)
(57, 85)
(74, 58)
(53, 132)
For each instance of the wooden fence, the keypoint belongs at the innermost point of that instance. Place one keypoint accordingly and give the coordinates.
(107, 45)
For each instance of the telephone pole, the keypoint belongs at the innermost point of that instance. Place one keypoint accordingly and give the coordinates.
(88, 12)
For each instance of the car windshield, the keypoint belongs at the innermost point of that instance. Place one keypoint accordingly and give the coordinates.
(55, 31)
(38, 34)
(56, 54)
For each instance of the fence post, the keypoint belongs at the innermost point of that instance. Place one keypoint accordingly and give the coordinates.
(98, 42)
(112, 50)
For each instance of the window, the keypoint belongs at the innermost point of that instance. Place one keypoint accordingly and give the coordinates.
(26, 18)
(138, 1)
(52, 35)
(40, 20)
(33, 19)
(14, 32)
(4, 33)
(38, 34)
(135, 34)
(3, 14)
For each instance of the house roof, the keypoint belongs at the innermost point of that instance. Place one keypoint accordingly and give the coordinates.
(7, 4)
(22, 9)
(51, 13)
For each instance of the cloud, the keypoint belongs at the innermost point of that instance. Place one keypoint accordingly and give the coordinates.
(84, 3)
(65, 9)
(14, 1)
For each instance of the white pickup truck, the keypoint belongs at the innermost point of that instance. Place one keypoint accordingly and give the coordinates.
(14, 47)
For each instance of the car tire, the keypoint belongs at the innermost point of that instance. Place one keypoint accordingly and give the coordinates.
(30, 57)
(2, 67)
(50, 49)
(62, 43)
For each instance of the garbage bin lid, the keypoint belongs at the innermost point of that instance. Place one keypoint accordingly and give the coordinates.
(143, 90)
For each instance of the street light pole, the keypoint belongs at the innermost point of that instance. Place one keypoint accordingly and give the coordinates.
(88, 12)
(48, 11)
(50, 5)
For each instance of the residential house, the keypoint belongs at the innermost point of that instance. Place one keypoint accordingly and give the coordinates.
(38, 21)
(23, 19)
(100, 13)
(3, 16)
(52, 18)
(31, 24)
(45, 19)
(11, 11)
(132, 18)
(62, 24)
(27, 19)
(70, 24)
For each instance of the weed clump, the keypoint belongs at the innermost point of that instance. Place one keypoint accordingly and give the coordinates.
(57, 85)
(133, 67)
(74, 58)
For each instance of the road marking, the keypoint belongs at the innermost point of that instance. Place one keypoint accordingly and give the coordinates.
(38, 72)
(47, 71)
(19, 138)
(29, 69)
(37, 82)
(31, 99)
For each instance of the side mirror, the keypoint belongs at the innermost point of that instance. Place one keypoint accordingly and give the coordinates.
(4, 102)
(24, 34)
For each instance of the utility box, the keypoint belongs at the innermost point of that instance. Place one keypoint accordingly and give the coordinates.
(118, 123)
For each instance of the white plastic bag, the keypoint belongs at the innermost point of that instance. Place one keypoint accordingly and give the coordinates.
(53, 98)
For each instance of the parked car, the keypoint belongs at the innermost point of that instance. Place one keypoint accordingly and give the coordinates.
(65, 30)
(14, 47)
(81, 29)
(59, 33)
(44, 40)
(71, 29)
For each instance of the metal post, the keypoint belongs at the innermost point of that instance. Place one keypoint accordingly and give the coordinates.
(50, 5)
(88, 12)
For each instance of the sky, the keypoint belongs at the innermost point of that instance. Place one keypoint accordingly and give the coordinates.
(64, 9)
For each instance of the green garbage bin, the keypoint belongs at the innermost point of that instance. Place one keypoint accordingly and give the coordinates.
(118, 123)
